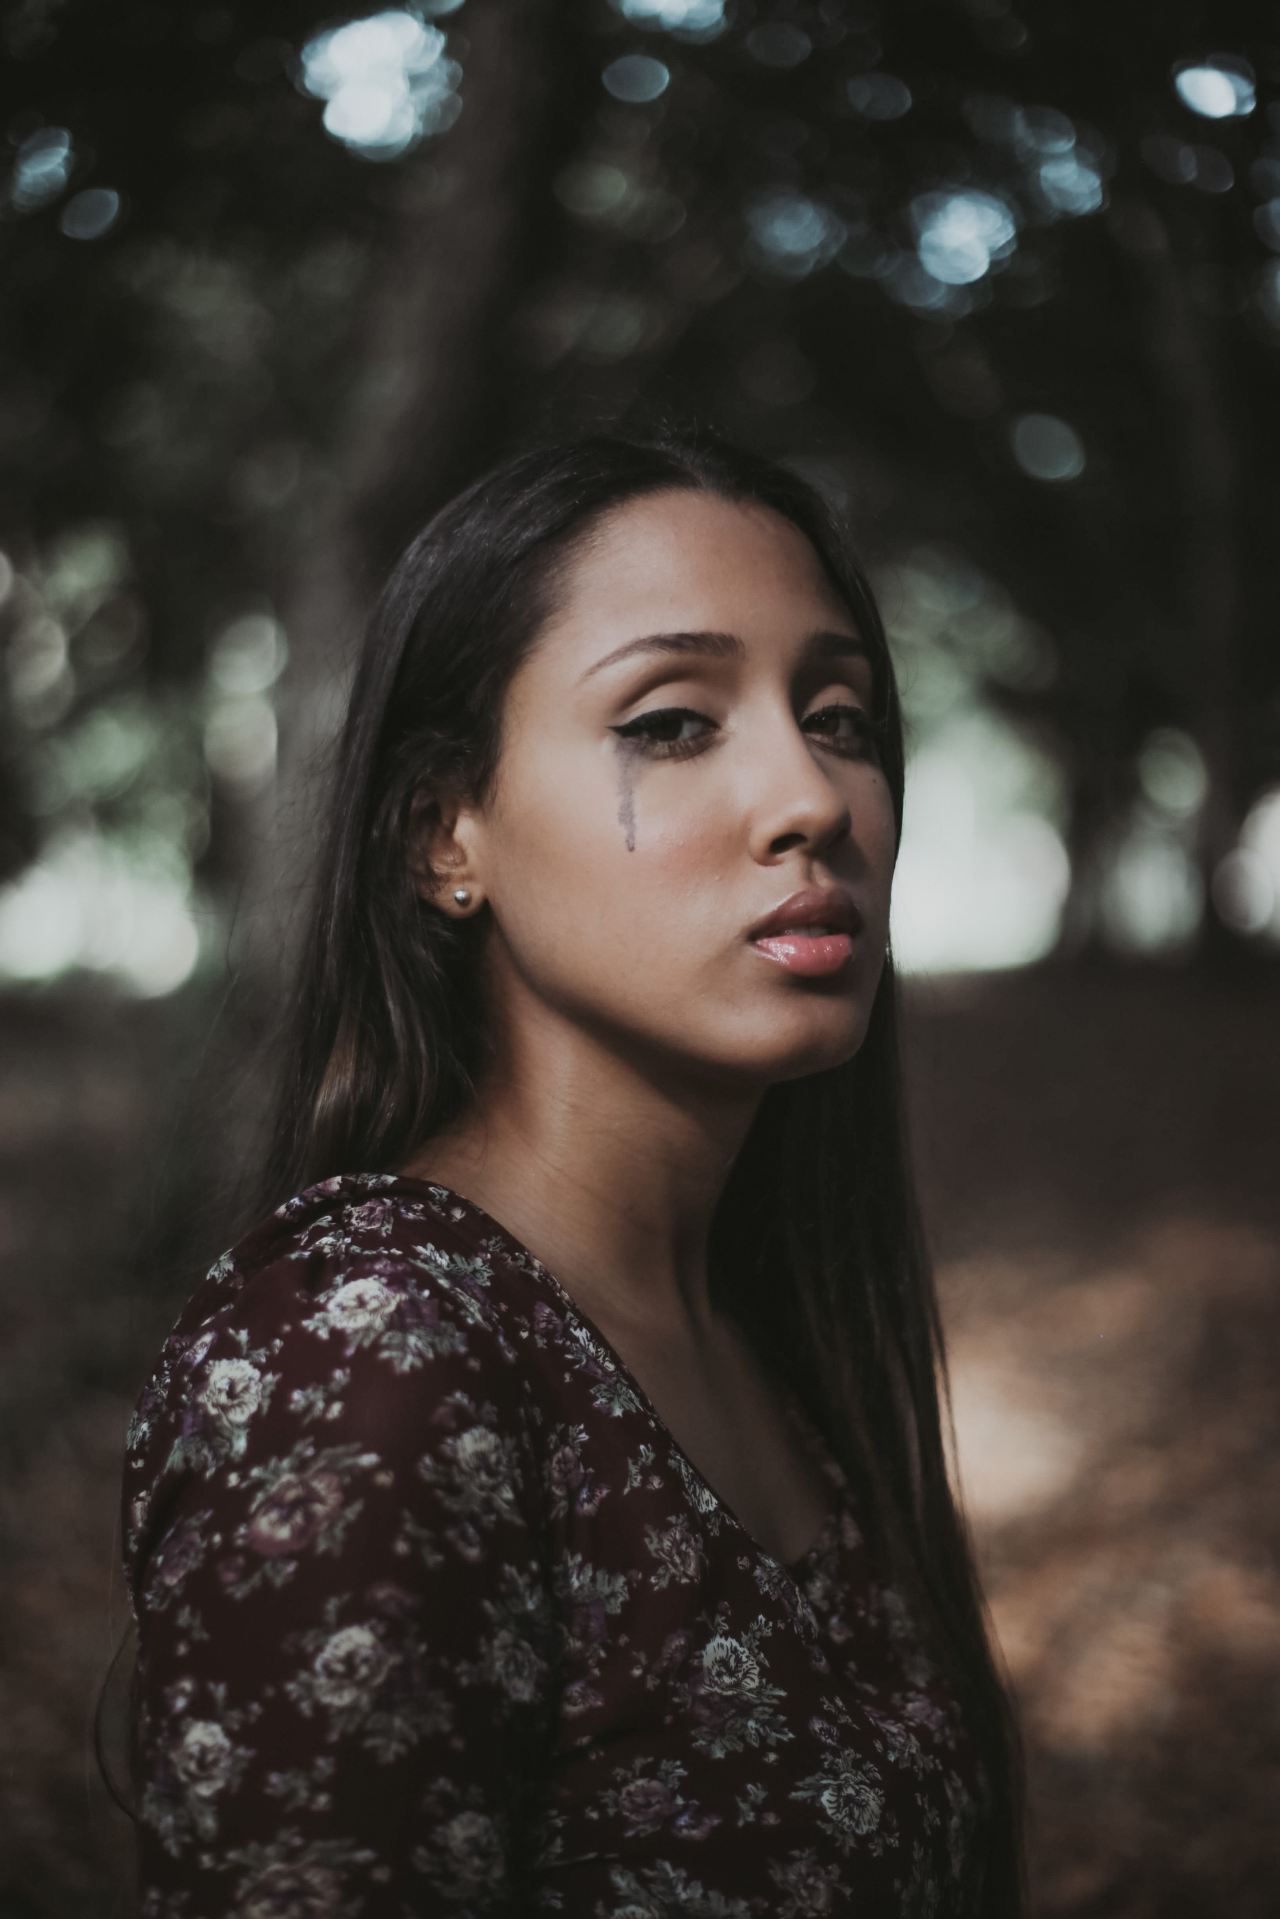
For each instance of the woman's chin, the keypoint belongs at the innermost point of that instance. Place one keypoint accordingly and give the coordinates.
(809, 1053)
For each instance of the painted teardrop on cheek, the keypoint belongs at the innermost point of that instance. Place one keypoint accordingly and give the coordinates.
(626, 792)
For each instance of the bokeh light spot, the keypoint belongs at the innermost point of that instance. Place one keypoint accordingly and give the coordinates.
(105, 907)
(1071, 185)
(593, 189)
(635, 79)
(1036, 130)
(1251, 882)
(1046, 448)
(1221, 88)
(1151, 898)
(240, 745)
(879, 96)
(386, 81)
(1243, 892)
(1172, 772)
(960, 231)
(249, 655)
(982, 878)
(792, 233)
(692, 19)
(908, 282)
(41, 168)
(90, 214)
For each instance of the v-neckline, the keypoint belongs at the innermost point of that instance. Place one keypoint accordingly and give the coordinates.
(828, 1464)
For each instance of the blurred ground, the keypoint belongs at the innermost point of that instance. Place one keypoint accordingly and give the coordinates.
(1098, 1151)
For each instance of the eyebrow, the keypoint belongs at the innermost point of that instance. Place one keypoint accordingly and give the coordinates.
(821, 645)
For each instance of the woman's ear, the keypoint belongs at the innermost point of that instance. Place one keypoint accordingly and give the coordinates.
(436, 857)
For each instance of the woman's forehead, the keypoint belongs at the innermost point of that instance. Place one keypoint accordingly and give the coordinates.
(691, 562)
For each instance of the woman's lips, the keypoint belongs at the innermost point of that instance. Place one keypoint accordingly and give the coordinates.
(809, 953)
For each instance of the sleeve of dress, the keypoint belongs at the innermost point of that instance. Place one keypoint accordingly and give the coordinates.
(344, 1692)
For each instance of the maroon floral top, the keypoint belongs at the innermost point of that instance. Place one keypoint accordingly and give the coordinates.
(435, 1616)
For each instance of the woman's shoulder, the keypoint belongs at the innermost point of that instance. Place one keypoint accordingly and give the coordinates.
(352, 1257)
(367, 1299)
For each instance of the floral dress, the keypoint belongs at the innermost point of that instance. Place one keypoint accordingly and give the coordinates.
(434, 1615)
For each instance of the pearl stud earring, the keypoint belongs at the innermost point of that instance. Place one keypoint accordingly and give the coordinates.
(461, 895)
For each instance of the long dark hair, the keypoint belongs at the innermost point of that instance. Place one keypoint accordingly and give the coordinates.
(817, 1244)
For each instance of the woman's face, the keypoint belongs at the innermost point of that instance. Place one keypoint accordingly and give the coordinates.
(623, 873)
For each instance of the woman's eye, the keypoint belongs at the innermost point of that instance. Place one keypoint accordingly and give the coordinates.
(649, 729)
(863, 728)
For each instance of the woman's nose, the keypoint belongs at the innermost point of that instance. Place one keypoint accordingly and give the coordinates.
(796, 796)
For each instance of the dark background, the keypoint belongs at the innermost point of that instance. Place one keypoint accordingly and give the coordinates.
(1006, 282)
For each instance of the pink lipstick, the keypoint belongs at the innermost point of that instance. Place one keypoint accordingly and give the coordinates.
(810, 932)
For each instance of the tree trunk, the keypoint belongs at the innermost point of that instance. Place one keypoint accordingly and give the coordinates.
(421, 412)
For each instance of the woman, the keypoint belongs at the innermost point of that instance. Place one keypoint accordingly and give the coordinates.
(543, 1507)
